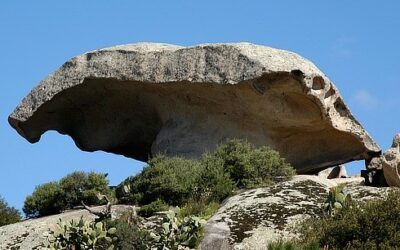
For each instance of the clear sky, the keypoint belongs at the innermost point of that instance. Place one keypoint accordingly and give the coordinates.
(355, 43)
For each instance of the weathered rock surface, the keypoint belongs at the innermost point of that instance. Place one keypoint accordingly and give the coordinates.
(248, 220)
(389, 163)
(333, 172)
(256, 217)
(30, 234)
(141, 99)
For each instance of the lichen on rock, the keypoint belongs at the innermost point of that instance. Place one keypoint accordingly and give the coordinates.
(252, 219)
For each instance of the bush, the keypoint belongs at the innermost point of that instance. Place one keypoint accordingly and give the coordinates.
(373, 225)
(176, 181)
(251, 167)
(70, 191)
(171, 180)
(213, 182)
(80, 235)
(199, 208)
(80, 187)
(293, 245)
(129, 235)
(152, 208)
(282, 245)
(8, 215)
(45, 200)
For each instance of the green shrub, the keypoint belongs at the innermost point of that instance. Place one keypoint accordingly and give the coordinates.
(199, 208)
(176, 181)
(70, 191)
(152, 208)
(282, 245)
(251, 167)
(293, 245)
(45, 200)
(171, 180)
(80, 235)
(129, 235)
(372, 225)
(80, 187)
(8, 215)
(213, 183)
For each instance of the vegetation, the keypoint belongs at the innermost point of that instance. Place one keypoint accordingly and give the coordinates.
(197, 186)
(177, 233)
(372, 225)
(198, 208)
(177, 181)
(152, 208)
(8, 215)
(337, 200)
(45, 200)
(80, 187)
(251, 167)
(291, 245)
(369, 225)
(70, 191)
(171, 180)
(129, 235)
(80, 235)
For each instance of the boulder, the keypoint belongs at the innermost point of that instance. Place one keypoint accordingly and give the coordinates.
(138, 100)
(254, 218)
(389, 163)
(333, 172)
(30, 234)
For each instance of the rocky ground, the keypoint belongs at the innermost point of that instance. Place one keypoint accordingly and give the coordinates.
(31, 233)
(248, 220)
(255, 217)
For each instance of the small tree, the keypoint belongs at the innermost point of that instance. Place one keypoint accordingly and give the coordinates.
(45, 200)
(69, 192)
(8, 215)
(80, 187)
(251, 167)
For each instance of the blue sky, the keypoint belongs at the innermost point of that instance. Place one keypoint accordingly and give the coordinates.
(355, 43)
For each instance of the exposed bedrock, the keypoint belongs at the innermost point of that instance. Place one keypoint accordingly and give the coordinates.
(385, 170)
(141, 99)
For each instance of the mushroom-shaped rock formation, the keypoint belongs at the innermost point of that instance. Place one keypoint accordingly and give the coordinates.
(141, 99)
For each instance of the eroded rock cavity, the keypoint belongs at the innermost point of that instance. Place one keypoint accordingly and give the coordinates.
(141, 99)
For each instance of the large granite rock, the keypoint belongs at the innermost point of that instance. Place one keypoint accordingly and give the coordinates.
(141, 99)
(254, 218)
(333, 172)
(389, 164)
(30, 234)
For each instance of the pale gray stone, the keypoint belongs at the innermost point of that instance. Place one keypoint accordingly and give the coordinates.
(254, 218)
(30, 234)
(142, 99)
(333, 172)
(389, 163)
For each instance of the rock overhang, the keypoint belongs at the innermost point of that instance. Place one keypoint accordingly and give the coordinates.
(141, 99)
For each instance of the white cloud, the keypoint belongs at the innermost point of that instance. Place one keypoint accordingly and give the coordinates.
(365, 99)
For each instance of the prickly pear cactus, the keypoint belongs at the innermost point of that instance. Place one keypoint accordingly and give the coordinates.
(336, 200)
(80, 234)
(178, 233)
